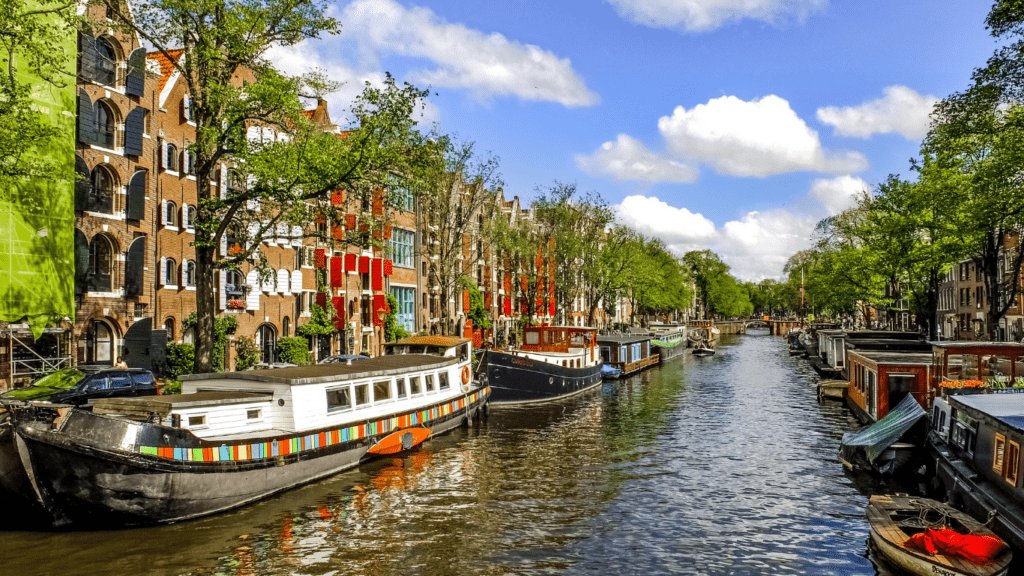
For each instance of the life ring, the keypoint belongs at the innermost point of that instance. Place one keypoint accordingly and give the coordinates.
(465, 374)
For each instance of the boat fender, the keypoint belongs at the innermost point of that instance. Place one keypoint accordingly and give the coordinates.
(465, 374)
(487, 409)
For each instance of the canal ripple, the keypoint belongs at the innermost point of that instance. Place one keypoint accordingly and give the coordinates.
(719, 465)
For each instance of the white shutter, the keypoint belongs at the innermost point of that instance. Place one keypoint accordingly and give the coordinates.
(297, 282)
(252, 299)
(163, 271)
(282, 233)
(270, 283)
(253, 230)
(268, 236)
(224, 244)
(163, 154)
(297, 236)
(223, 181)
(223, 288)
(185, 223)
(284, 284)
(163, 212)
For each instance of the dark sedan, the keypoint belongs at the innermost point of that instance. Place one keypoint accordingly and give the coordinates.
(79, 386)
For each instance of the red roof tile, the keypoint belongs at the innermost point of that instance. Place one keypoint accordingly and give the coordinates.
(166, 66)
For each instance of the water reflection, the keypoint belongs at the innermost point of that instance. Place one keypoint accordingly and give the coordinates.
(719, 465)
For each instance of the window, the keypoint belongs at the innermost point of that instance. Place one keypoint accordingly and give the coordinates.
(401, 195)
(171, 158)
(189, 270)
(998, 449)
(339, 399)
(286, 327)
(414, 385)
(405, 313)
(196, 421)
(170, 214)
(101, 264)
(400, 387)
(401, 247)
(362, 394)
(266, 339)
(106, 124)
(169, 327)
(430, 382)
(106, 63)
(443, 380)
(365, 309)
(253, 414)
(120, 380)
(234, 285)
(101, 197)
(1012, 462)
(382, 390)
(170, 272)
(190, 217)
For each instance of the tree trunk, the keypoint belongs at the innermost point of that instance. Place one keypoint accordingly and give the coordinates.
(206, 310)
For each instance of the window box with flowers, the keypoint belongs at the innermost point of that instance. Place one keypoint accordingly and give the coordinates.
(959, 387)
(236, 304)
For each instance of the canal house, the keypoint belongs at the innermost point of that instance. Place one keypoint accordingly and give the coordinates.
(628, 352)
(979, 465)
(880, 379)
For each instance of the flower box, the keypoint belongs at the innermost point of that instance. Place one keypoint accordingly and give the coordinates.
(236, 304)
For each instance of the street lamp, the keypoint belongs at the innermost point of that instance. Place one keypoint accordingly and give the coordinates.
(380, 322)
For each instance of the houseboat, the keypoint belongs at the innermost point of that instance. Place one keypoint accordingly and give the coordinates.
(552, 362)
(668, 341)
(236, 437)
(630, 353)
(880, 379)
(698, 330)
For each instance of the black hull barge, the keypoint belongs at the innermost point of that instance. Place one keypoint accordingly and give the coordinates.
(172, 458)
(553, 363)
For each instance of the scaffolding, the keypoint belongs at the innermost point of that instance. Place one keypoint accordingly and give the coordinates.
(26, 358)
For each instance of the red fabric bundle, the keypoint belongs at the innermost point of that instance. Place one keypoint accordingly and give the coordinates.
(970, 547)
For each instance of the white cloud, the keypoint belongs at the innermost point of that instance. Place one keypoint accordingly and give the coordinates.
(758, 245)
(628, 159)
(756, 138)
(838, 194)
(489, 65)
(304, 57)
(703, 15)
(901, 110)
(652, 217)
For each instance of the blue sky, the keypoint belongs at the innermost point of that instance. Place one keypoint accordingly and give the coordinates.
(733, 125)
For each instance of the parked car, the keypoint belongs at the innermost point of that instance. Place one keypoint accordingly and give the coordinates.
(264, 365)
(79, 385)
(342, 358)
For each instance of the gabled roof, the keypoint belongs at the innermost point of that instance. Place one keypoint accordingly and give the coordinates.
(166, 65)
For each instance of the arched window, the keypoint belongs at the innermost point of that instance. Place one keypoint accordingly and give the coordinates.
(170, 214)
(101, 264)
(235, 285)
(286, 327)
(266, 339)
(106, 65)
(171, 157)
(169, 326)
(106, 124)
(190, 217)
(101, 197)
(170, 272)
(99, 343)
(189, 270)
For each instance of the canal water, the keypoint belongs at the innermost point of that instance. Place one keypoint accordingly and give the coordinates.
(718, 465)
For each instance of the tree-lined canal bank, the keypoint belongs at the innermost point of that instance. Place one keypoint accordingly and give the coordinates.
(720, 465)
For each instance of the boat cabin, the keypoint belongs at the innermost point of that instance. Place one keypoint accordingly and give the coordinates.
(414, 373)
(987, 432)
(881, 379)
(627, 352)
(568, 346)
(972, 360)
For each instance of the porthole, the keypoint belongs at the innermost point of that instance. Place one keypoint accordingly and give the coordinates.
(551, 379)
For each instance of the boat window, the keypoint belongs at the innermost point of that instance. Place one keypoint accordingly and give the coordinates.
(362, 394)
(1012, 464)
(998, 448)
(382, 390)
(254, 414)
(400, 387)
(194, 421)
(965, 429)
(417, 349)
(430, 382)
(993, 366)
(532, 338)
(962, 367)
(414, 385)
(464, 351)
(338, 399)
(443, 380)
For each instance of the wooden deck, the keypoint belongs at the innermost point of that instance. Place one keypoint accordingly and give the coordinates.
(639, 364)
(884, 516)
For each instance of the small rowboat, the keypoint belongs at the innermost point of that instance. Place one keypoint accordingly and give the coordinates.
(903, 528)
(703, 349)
(399, 441)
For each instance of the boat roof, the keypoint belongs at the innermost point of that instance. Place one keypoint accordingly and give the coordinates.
(445, 341)
(979, 344)
(623, 338)
(390, 365)
(894, 356)
(1007, 408)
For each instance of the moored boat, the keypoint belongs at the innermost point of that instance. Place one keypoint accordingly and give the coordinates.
(703, 348)
(552, 362)
(610, 372)
(630, 353)
(236, 437)
(927, 537)
(669, 341)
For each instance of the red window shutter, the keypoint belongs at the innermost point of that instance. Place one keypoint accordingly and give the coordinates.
(321, 300)
(338, 232)
(523, 309)
(337, 198)
(378, 202)
(551, 287)
(350, 221)
(389, 268)
(551, 306)
(364, 264)
(465, 300)
(487, 300)
(507, 279)
(319, 258)
(350, 263)
(320, 219)
(508, 306)
(526, 283)
(540, 304)
(387, 231)
(467, 330)
(377, 275)
(339, 313)
(337, 272)
(379, 301)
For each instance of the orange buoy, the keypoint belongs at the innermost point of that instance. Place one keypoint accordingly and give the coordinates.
(400, 441)
(465, 374)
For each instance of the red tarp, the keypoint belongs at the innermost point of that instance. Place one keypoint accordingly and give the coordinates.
(337, 272)
(970, 547)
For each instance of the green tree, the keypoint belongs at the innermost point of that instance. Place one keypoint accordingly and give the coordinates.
(247, 353)
(393, 331)
(706, 267)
